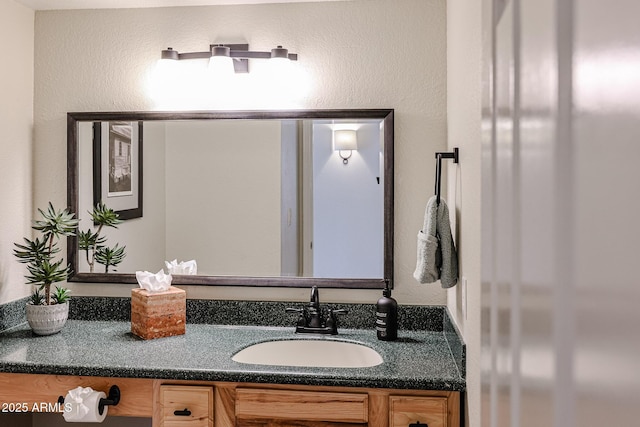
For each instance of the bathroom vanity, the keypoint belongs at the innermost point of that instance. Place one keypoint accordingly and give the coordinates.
(207, 404)
(191, 380)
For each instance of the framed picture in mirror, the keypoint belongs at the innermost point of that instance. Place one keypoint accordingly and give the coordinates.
(117, 167)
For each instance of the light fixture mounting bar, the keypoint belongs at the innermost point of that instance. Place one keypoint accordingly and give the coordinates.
(252, 54)
(194, 55)
(240, 54)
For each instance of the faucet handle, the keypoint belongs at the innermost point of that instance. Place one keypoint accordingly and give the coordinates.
(301, 318)
(333, 313)
(332, 319)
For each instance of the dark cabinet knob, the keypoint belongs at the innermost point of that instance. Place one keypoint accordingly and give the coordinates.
(184, 413)
(419, 424)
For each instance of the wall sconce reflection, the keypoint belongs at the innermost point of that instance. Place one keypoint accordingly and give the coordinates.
(344, 142)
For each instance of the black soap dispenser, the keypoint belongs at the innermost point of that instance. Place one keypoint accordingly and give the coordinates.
(387, 317)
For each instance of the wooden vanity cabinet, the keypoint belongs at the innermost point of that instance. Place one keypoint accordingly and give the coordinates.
(274, 405)
(223, 404)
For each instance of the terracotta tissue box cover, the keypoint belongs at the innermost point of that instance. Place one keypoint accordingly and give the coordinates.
(156, 315)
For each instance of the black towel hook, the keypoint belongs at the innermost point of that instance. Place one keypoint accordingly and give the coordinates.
(439, 156)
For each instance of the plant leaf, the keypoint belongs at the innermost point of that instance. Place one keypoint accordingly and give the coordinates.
(45, 272)
(37, 298)
(110, 256)
(61, 295)
(34, 251)
(57, 223)
(88, 240)
(102, 215)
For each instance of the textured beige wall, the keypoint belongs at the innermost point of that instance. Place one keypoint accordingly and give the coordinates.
(224, 233)
(356, 54)
(16, 122)
(464, 55)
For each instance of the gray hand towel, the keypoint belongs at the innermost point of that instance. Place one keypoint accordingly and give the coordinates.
(437, 257)
(429, 255)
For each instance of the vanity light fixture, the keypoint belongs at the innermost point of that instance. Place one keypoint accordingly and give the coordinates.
(345, 140)
(238, 54)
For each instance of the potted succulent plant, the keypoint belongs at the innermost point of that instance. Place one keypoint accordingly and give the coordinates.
(47, 311)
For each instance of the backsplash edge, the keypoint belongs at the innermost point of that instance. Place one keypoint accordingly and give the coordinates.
(13, 313)
(258, 313)
(456, 343)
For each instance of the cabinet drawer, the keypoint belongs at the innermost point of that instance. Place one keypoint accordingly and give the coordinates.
(405, 410)
(301, 405)
(194, 399)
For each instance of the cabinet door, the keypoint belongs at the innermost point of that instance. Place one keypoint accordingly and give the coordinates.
(299, 408)
(406, 410)
(186, 406)
(291, 423)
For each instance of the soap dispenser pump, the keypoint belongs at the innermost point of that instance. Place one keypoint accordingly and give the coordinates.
(387, 316)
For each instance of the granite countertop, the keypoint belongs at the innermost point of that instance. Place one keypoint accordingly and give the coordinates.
(419, 359)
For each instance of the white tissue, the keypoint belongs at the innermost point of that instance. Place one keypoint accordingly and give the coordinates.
(158, 282)
(81, 406)
(183, 267)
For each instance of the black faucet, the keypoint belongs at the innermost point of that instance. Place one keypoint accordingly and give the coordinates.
(313, 319)
(314, 312)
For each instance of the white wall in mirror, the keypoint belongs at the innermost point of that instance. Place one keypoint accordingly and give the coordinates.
(209, 165)
(347, 206)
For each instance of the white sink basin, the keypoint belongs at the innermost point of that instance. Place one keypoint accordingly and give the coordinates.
(312, 353)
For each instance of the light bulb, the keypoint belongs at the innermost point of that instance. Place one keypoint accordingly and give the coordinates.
(221, 66)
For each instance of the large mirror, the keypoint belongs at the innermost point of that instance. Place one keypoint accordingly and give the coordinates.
(255, 198)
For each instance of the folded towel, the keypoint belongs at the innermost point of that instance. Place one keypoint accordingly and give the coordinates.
(429, 255)
(436, 257)
(449, 268)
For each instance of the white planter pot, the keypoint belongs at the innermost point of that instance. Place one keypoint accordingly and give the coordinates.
(47, 319)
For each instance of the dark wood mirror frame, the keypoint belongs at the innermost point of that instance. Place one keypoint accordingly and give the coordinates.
(300, 282)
